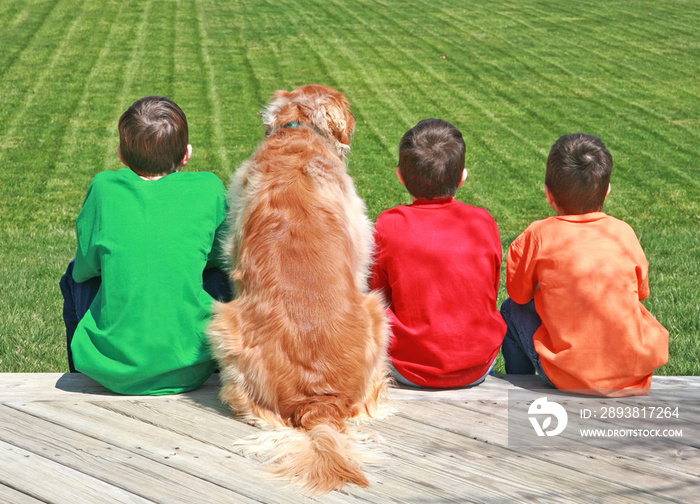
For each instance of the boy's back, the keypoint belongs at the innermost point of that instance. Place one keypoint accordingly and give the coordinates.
(587, 329)
(439, 262)
(150, 241)
(588, 274)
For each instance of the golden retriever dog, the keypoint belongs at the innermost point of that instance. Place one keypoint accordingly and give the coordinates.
(302, 348)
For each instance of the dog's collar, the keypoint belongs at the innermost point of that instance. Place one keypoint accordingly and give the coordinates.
(297, 124)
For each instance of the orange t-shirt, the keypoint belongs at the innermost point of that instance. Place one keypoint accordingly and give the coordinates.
(588, 274)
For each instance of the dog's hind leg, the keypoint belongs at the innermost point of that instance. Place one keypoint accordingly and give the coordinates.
(375, 403)
(226, 345)
(240, 389)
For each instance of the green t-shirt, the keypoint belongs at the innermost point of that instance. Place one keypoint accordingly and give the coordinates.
(150, 241)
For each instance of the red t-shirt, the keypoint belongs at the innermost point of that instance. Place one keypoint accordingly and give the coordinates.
(588, 274)
(438, 263)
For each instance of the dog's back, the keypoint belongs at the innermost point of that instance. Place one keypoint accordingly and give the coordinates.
(303, 345)
(297, 275)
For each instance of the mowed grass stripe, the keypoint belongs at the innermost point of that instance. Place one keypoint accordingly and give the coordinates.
(133, 53)
(496, 72)
(54, 94)
(371, 83)
(647, 33)
(304, 31)
(618, 56)
(608, 97)
(230, 85)
(192, 94)
(482, 118)
(618, 109)
(661, 18)
(646, 157)
(252, 39)
(261, 41)
(610, 58)
(21, 82)
(151, 67)
(91, 134)
(19, 24)
(210, 78)
(429, 70)
(364, 66)
(574, 55)
(240, 96)
(486, 91)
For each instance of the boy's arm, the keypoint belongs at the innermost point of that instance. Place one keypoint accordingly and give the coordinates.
(87, 258)
(380, 282)
(642, 271)
(217, 256)
(378, 279)
(643, 283)
(521, 277)
(499, 257)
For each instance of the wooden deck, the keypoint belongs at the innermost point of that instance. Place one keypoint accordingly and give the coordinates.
(63, 438)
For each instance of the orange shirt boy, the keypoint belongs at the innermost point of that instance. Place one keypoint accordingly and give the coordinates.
(588, 275)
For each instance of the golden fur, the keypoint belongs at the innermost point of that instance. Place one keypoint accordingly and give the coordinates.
(302, 348)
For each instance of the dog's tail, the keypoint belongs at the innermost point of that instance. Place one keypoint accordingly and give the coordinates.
(321, 454)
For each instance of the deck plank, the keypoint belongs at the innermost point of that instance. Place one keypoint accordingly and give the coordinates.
(162, 446)
(10, 495)
(531, 472)
(68, 434)
(47, 481)
(105, 460)
(665, 466)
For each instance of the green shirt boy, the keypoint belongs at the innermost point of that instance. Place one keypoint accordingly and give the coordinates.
(135, 304)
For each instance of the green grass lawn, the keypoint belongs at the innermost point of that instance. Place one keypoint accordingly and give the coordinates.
(513, 76)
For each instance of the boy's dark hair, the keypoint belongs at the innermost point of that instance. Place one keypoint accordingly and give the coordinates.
(578, 173)
(431, 159)
(153, 136)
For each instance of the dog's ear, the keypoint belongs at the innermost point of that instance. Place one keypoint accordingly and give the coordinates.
(340, 119)
(274, 114)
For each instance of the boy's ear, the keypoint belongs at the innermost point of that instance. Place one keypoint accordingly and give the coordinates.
(550, 198)
(548, 194)
(119, 153)
(398, 174)
(188, 155)
(464, 177)
(609, 188)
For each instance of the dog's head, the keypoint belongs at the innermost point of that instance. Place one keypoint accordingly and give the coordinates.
(319, 107)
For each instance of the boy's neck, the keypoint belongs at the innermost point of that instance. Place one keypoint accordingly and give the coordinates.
(152, 177)
(439, 198)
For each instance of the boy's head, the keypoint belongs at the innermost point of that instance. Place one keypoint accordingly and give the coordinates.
(578, 174)
(431, 159)
(153, 136)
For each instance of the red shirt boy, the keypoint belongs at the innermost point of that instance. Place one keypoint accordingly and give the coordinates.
(438, 263)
